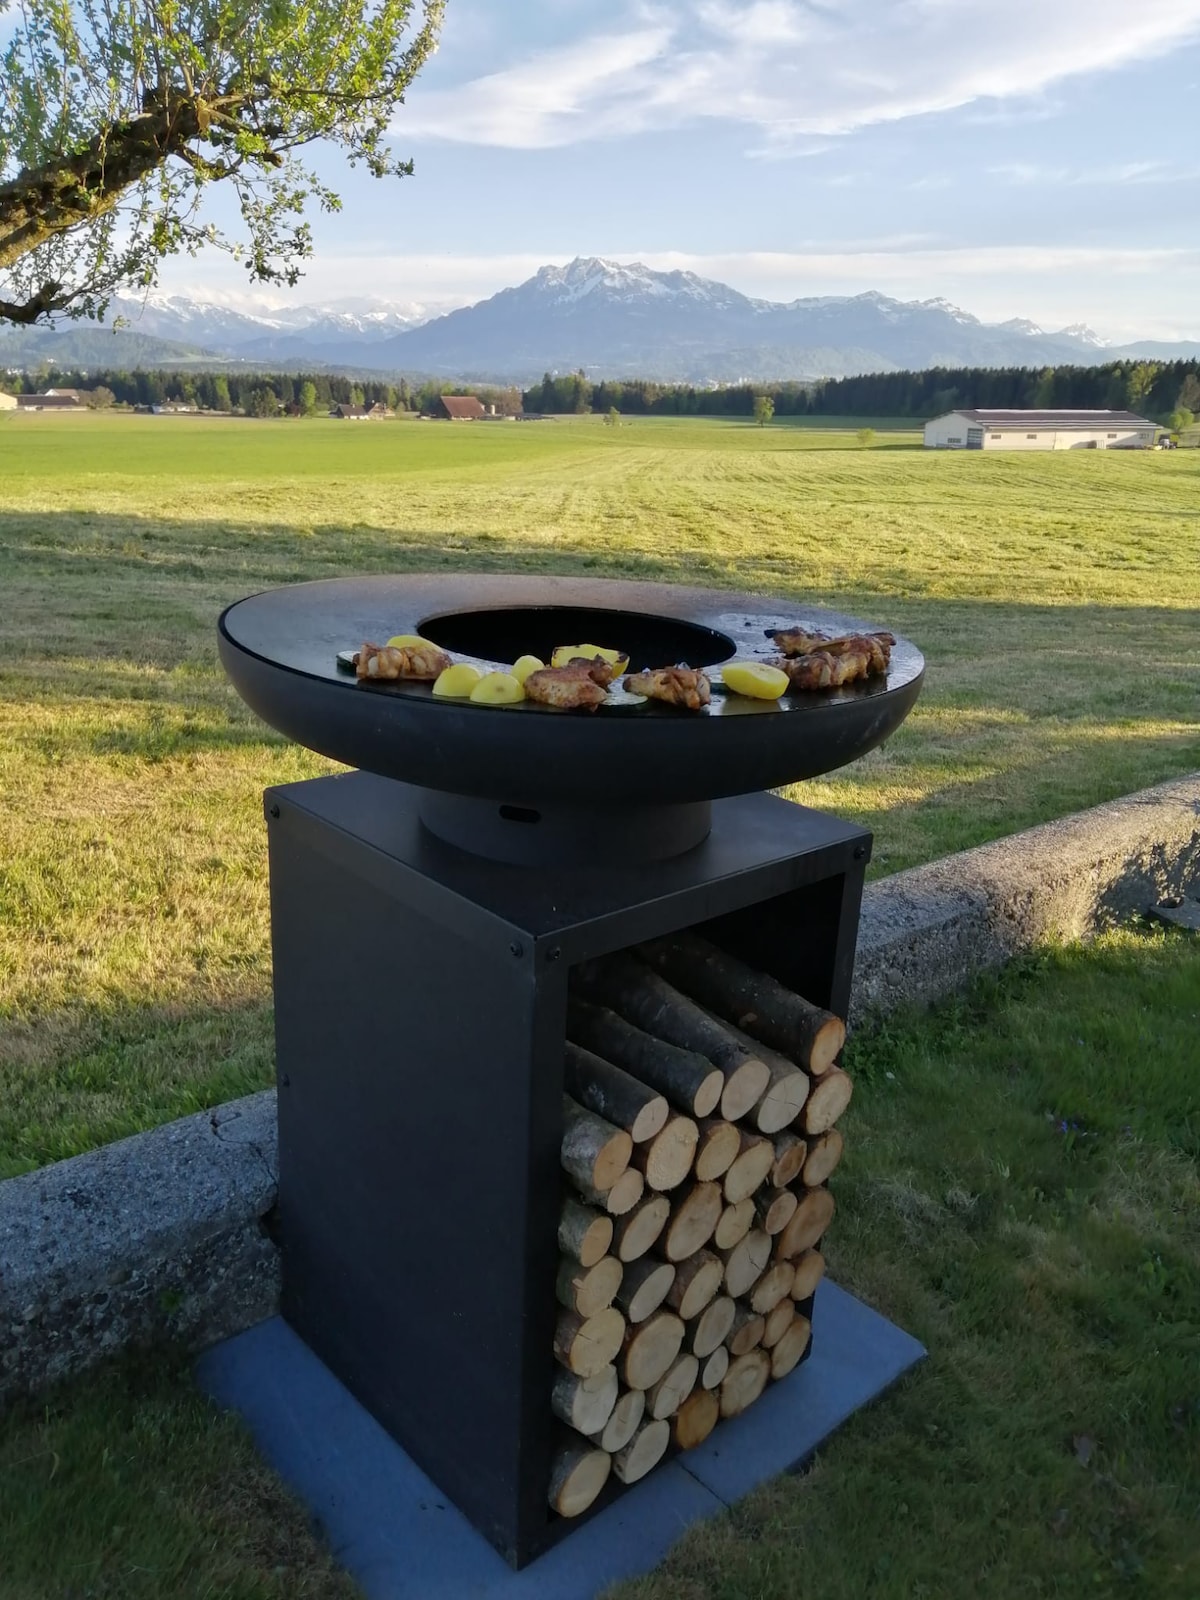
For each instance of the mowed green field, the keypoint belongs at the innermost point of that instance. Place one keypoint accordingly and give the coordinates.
(1057, 599)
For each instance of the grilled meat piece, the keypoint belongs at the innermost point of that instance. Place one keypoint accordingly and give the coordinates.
(579, 686)
(598, 669)
(388, 661)
(796, 642)
(861, 656)
(687, 687)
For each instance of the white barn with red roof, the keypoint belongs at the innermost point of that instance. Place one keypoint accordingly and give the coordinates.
(1040, 430)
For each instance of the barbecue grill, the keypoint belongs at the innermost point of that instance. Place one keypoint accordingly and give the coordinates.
(429, 911)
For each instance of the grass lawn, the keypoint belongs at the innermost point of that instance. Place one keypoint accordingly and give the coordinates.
(1020, 1191)
(1057, 599)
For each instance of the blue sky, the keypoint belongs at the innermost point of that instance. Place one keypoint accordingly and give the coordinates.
(1021, 157)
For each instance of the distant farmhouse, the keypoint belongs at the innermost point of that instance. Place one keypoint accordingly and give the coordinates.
(351, 413)
(54, 400)
(8, 402)
(460, 408)
(1040, 430)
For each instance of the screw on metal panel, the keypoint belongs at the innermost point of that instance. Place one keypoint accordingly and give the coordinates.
(860, 851)
(273, 811)
(285, 1082)
(553, 955)
(516, 949)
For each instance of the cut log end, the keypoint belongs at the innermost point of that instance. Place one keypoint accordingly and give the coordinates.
(593, 1151)
(735, 1223)
(827, 1044)
(644, 1287)
(750, 1170)
(746, 1262)
(585, 1404)
(643, 1452)
(697, 1283)
(810, 1269)
(829, 1098)
(711, 1327)
(673, 1388)
(579, 1473)
(778, 1322)
(667, 1159)
(650, 1349)
(744, 1382)
(696, 1419)
(824, 1154)
(694, 1222)
(782, 1102)
(625, 1421)
(639, 1229)
(719, 1147)
(744, 1088)
(584, 1233)
(588, 1290)
(809, 1221)
(775, 1208)
(746, 1332)
(791, 1152)
(587, 1345)
(712, 1372)
(774, 1285)
(790, 1349)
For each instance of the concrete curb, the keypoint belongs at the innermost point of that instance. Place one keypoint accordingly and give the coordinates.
(163, 1236)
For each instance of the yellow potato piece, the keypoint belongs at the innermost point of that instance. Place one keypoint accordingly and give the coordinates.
(567, 653)
(526, 665)
(456, 683)
(498, 689)
(410, 641)
(755, 679)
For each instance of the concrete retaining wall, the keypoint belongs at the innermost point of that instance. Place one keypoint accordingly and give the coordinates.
(165, 1235)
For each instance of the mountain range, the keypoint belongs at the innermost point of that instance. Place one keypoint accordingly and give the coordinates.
(611, 319)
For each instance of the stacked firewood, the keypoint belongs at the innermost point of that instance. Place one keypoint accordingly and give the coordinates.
(698, 1135)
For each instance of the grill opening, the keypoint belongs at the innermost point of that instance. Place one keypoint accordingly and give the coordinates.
(505, 633)
(520, 814)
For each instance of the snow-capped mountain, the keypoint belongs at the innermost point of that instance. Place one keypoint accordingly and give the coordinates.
(327, 335)
(624, 319)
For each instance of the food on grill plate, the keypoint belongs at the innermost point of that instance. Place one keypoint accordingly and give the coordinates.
(457, 682)
(855, 658)
(799, 642)
(524, 665)
(686, 687)
(581, 686)
(565, 654)
(418, 659)
(497, 689)
(754, 679)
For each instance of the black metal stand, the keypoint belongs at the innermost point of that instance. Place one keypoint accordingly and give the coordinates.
(420, 997)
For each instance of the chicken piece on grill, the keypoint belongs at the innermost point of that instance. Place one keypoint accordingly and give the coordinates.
(598, 669)
(796, 642)
(686, 687)
(579, 686)
(383, 662)
(863, 656)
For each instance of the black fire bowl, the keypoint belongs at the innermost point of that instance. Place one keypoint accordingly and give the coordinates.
(281, 648)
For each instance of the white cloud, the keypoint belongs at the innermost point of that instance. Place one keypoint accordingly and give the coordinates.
(1028, 174)
(794, 69)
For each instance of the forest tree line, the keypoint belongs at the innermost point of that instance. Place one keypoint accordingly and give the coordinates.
(1166, 391)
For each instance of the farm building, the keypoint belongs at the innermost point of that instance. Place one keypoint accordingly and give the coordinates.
(53, 400)
(8, 402)
(460, 407)
(351, 413)
(1039, 430)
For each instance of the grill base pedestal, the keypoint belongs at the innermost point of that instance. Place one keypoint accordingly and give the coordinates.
(562, 836)
(420, 1002)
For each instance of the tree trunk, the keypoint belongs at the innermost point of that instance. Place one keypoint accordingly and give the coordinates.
(829, 1098)
(577, 1476)
(774, 1285)
(646, 1285)
(585, 1404)
(639, 1230)
(810, 1269)
(594, 1153)
(643, 998)
(809, 1221)
(693, 1221)
(746, 1332)
(809, 1035)
(720, 1143)
(624, 1422)
(779, 1320)
(687, 1079)
(697, 1283)
(824, 1153)
(744, 1382)
(643, 1452)
(588, 1290)
(584, 1233)
(712, 1373)
(587, 1345)
(666, 1160)
(791, 1152)
(750, 1169)
(695, 1419)
(650, 1349)
(710, 1329)
(735, 1223)
(791, 1347)
(613, 1094)
(746, 1262)
(775, 1208)
(673, 1388)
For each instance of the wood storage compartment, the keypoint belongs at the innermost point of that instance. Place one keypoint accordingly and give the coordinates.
(628, 1200)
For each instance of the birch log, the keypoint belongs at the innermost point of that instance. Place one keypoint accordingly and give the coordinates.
(638, 1231)
(643, 1452)
(585, 1404)
(809, 1221)
(750, 1169)
(693, 1221)
(791, 1347)
(824, 1153)
(594, 1153)
(745, 1382)
(810, 1269)
(644, 1287)
(666, 1160)
(673, 1388)
(828, 1100)
(587, 1345)
(687, 1079)
(697, 1284)
(625, 1421)
(775, 1208)
(774, 1285)
(720, 1145)
(778, 1322)
(791, 1152)
(810, 1035)
(713, 1370)
(584, 1233)
(577, 1476)
(615, 1095)
(588, 1290)
(695, 1419)
(746, 1331)
(735, 1223)
(650, 1349)
(711, 1327)
(621, 1198)
(747, 1261)
(782, 1101)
